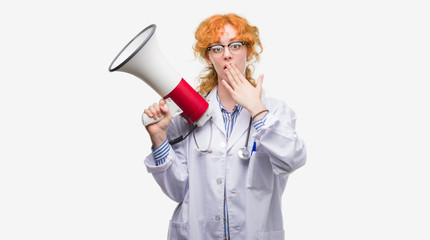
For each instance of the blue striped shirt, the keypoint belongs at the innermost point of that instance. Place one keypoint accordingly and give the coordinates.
(161, 152)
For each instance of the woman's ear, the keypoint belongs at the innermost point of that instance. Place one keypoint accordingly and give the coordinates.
(208, 61)
(248, 57)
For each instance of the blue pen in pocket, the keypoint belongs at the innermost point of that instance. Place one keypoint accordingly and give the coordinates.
(253, 148)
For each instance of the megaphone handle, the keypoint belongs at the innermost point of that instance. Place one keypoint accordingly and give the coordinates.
(170, 104)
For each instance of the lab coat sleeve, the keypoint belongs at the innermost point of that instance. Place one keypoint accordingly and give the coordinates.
(278, 138)
(172, 175)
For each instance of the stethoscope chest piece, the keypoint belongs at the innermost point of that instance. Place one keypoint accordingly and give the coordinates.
(244, 153)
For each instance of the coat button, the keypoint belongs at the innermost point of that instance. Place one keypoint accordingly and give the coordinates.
(217, 218)
(219, 181)
(233, 192)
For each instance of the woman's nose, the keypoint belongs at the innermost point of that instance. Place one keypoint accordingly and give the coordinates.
(227, 53)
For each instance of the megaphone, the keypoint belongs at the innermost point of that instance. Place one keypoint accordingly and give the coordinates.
(142, 58)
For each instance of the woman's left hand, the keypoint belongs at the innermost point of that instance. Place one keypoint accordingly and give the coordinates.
(242, 90)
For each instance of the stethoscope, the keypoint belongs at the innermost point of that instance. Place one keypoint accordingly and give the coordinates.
(242, 152)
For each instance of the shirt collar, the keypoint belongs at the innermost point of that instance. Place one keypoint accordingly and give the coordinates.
(236, 107)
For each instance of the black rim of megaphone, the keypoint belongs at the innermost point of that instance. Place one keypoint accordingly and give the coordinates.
(153, 26)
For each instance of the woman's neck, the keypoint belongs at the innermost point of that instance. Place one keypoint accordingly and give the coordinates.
(225, 98)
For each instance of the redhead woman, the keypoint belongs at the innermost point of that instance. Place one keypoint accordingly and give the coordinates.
(229, 175)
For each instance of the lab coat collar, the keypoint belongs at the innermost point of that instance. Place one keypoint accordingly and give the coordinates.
(217, 116)
(240, 128)
(241, 125)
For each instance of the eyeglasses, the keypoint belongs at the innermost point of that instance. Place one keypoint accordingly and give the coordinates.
(234, 47)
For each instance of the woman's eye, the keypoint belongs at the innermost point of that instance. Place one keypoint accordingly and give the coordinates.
(216, 49)
(236, 46)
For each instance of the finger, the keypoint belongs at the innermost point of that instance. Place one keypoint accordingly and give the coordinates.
(228, 87)
(230, 70)
(148, 113)
(233, 81)
(233, 73)
(153, 111)
(238, 74)
(164, 109)
(260, 81)
(162, 102)
(157, 109)
(166, 112)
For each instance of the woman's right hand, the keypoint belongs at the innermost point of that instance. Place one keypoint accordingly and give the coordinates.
(158, 131)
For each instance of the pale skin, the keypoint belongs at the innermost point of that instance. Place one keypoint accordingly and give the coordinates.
(233, 88)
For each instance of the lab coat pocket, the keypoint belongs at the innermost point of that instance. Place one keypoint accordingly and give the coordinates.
(272, 235)
(178, 231)
(260, 173)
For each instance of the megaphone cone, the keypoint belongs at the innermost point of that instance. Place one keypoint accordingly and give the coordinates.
(142, 58)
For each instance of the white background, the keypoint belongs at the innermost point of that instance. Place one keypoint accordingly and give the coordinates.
(72, 144)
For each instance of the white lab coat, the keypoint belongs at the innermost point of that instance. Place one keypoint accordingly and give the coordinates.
(253, 187)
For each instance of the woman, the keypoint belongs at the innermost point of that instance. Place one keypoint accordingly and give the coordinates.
(221, 195)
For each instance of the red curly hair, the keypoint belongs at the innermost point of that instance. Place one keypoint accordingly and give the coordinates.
(208, 32)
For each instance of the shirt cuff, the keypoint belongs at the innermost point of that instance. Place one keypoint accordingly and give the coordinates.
(260, 123)
(161, 153)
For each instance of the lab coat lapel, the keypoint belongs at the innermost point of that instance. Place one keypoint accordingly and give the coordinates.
(217, 116)
(240, 128)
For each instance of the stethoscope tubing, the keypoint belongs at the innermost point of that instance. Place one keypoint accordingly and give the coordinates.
(249, 131)
(209, 148)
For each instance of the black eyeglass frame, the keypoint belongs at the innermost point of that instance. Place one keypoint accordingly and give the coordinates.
(223, 46)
